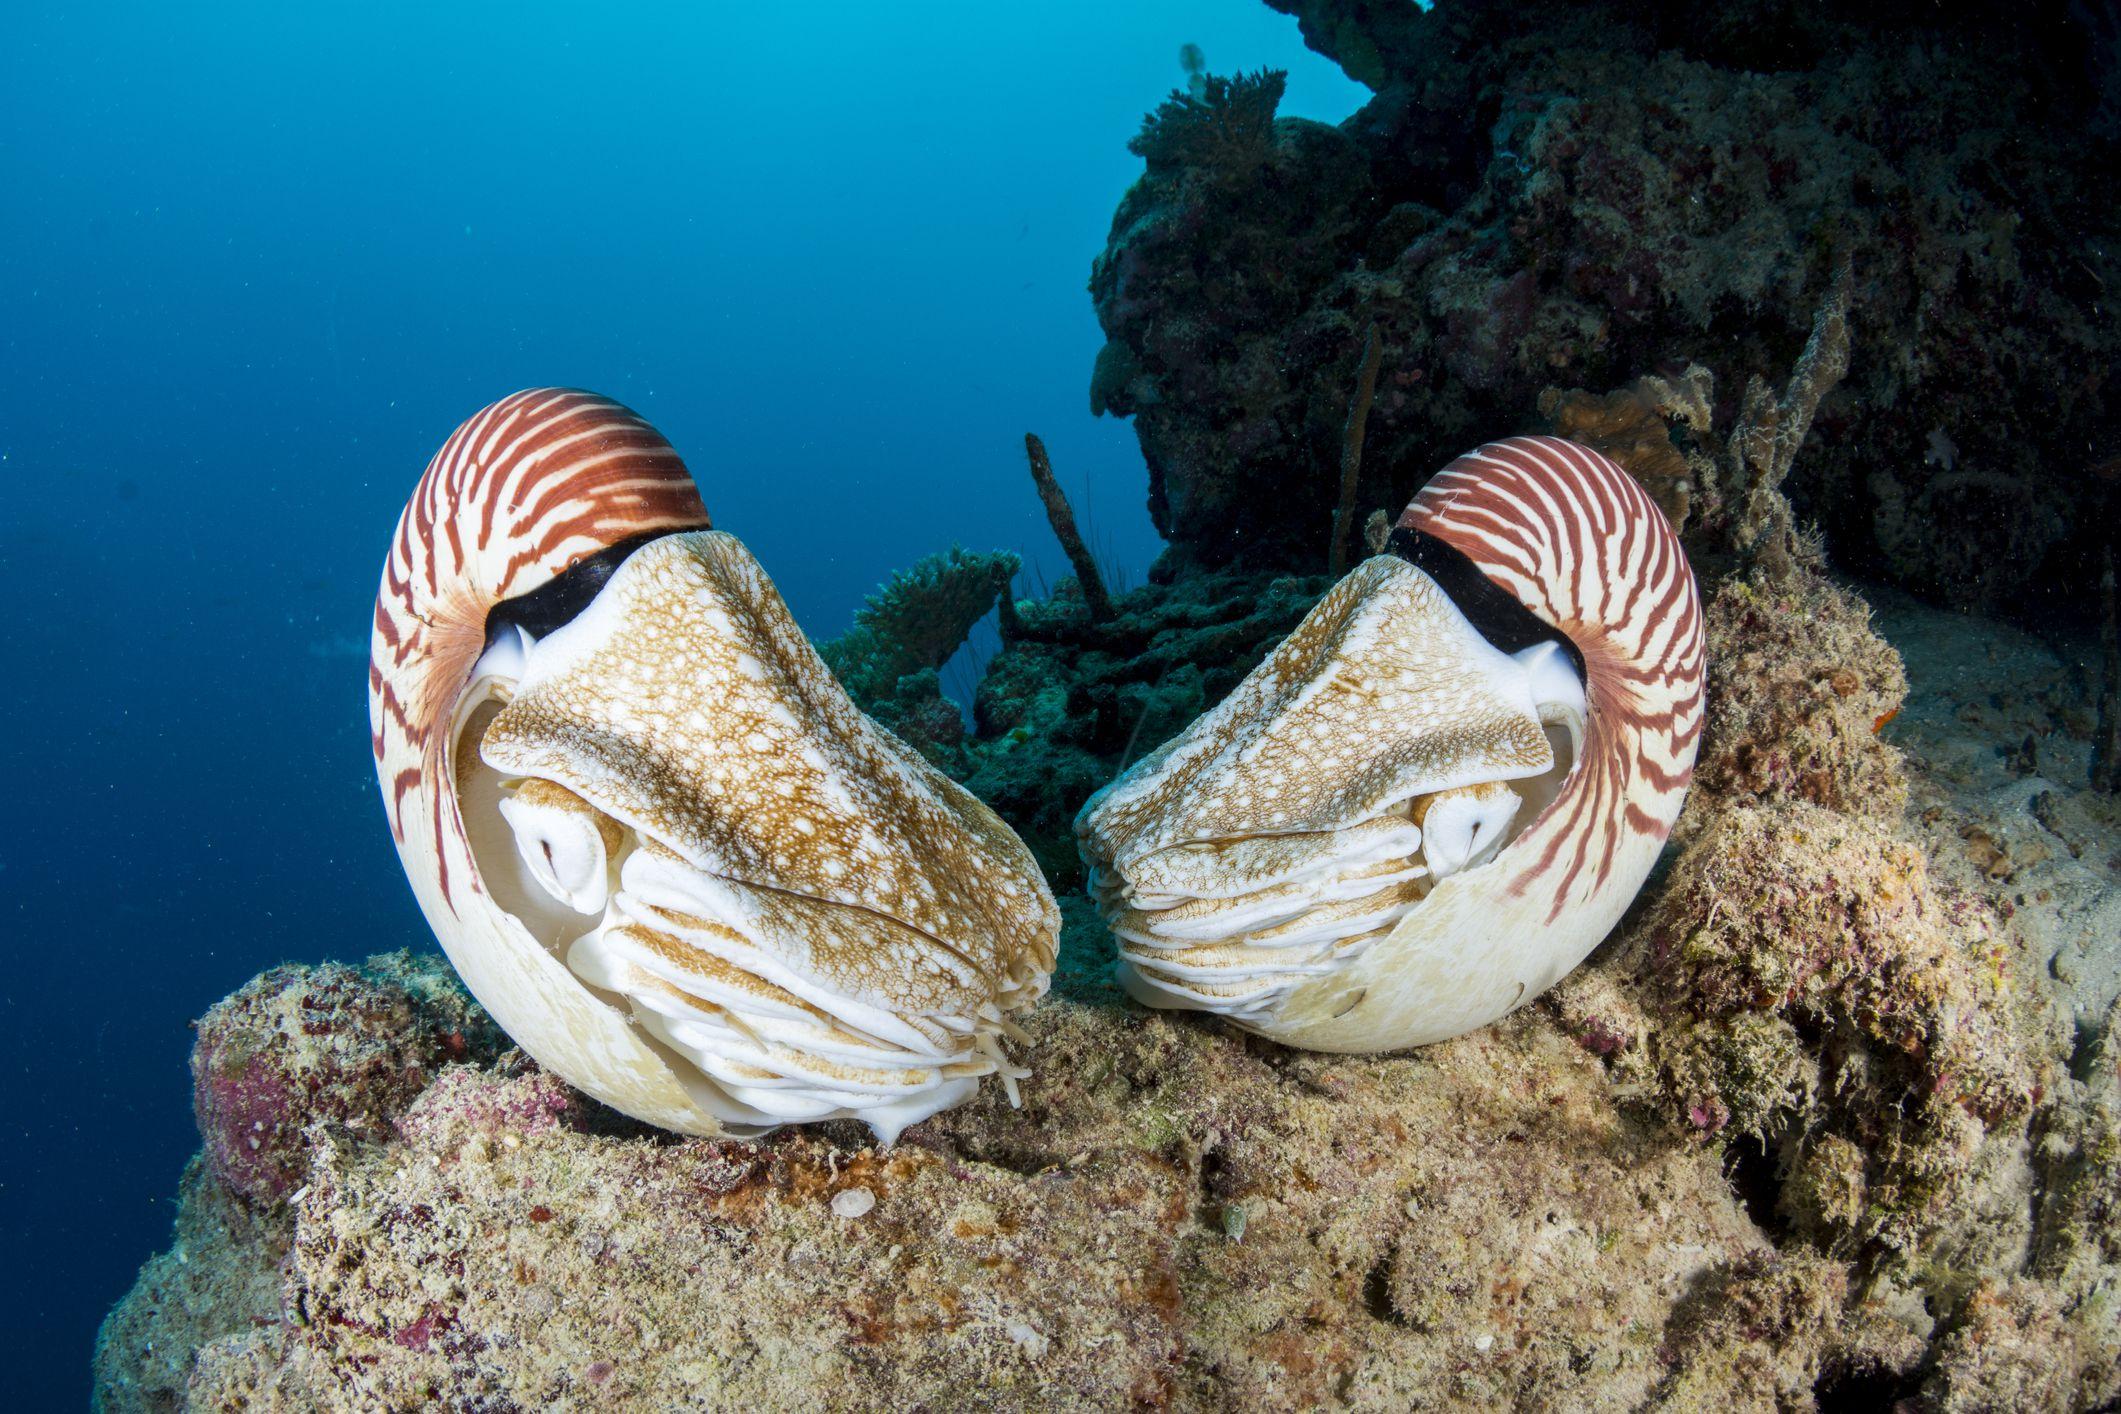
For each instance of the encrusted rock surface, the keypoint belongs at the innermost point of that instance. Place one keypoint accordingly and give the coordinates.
(1571, 194)
(220, 1279)
(1814, 1122)
(1178, 1215)
(298, 1045)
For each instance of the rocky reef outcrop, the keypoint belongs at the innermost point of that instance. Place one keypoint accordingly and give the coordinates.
(1574, 195)
(1815, 1123)
(302, 1045)
(1833, 1118)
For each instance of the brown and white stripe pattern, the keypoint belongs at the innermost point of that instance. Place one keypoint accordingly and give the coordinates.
(1576, 540)
(524, 490)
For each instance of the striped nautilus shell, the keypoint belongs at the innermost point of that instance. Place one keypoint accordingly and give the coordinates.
(1438, 794)
(657, 840)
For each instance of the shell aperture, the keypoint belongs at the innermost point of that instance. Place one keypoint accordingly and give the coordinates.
(1392, 831)
(660, 843)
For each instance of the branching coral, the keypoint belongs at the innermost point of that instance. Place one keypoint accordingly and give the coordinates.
(1351, 438)
(1771, 430)
(1061, 516)
(917, 619)
(890, 659)
(1225, 130)
(1070, 699)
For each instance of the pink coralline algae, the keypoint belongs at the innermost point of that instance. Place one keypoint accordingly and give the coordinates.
(302, 1044)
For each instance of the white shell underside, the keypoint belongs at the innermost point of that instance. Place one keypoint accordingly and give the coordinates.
(1279, 861)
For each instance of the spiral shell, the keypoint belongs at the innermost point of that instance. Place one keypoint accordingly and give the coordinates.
(656, 839)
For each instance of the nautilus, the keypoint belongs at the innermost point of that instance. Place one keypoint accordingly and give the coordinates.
(1442, 790)
(653, 834)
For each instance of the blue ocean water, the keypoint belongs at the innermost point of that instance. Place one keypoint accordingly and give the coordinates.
(256, 262)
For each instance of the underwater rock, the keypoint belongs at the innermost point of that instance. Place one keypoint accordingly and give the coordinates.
(1812, 1124)
(1180, 1217)
(299, 1045)
(1803, 686)
(1563, 194)
(1815, 985)
(221, 1275)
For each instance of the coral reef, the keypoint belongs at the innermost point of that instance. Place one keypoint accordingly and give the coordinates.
(1833, 1117)
(299, 1045)
(1810, 1125)
(1856, 1027)
(1071, 698)
(1771, 430)
(1221, 126)
(1182, 1216)
(1568, 194)
(891, 658)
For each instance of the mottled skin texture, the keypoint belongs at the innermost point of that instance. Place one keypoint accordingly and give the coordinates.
(705, 720)
(1386, 694)
(792, 852)
(1382, 694)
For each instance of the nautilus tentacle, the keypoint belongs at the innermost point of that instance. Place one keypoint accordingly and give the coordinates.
(655, 837)
(1442, 790)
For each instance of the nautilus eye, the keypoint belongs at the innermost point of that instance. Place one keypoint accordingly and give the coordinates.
(655, 837)
(1439, 793)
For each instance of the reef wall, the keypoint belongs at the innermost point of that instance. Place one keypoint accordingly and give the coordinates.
(1578, 194)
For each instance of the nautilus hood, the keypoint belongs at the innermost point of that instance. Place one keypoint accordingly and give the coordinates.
(1397, 828)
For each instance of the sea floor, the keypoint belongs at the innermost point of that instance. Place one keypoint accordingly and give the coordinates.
(1997, 731)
